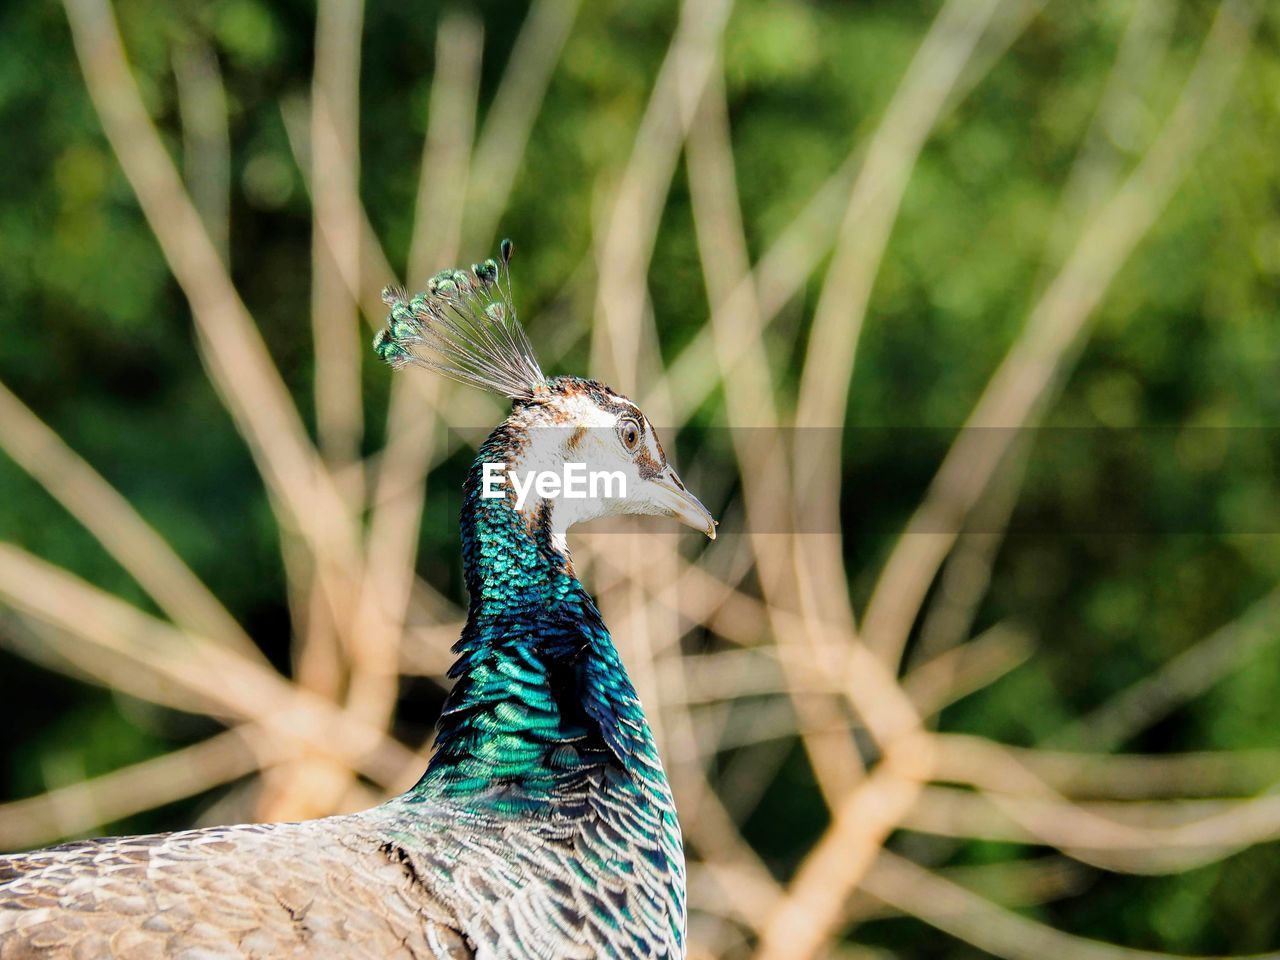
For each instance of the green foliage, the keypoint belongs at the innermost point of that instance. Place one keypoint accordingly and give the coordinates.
(1130, 545)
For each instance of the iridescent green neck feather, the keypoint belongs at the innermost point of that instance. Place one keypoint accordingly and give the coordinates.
(541, 699)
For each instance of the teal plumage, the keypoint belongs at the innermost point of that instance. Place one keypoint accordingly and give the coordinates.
(544, 826)
(544, 733)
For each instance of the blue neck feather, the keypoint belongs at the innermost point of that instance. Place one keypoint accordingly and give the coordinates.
(542, 703)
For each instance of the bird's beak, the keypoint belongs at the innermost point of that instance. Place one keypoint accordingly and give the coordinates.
(671, 496)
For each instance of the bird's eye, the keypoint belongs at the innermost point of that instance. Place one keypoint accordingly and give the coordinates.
(629, 433)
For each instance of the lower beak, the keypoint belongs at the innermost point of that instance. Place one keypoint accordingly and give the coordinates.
(678, 502)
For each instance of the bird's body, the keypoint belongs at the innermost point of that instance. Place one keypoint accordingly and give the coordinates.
(543, 828)
(317, 888)
(410, 879)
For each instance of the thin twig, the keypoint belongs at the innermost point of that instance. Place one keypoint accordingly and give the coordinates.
(206, 142)
(1183, 678)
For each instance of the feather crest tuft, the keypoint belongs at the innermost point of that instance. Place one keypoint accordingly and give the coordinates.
(464, 326)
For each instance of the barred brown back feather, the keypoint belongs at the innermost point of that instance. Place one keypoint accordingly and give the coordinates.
(322, 888)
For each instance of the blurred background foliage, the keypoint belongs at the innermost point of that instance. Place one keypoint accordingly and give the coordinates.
(1122, 553)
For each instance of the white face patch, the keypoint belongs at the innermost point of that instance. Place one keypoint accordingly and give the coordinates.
(575, 460)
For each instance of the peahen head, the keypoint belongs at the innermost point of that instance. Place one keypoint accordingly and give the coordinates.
(572, 450)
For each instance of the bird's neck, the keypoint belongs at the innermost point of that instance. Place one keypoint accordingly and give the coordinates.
(541, 700)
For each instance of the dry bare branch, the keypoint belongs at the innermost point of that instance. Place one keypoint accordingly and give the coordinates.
(1138, 837)
(873, 207)
(238, 362)
(89, 804)
(375, 271)
(815, 900)
(411, 428)
(505, 134)
(1146, 838)
(1236, 773)
(961, 670)
(627, 244)
(1013, 883)
(948, 906)
(114, 522)
(1183, 678)
(220, 682)
(967, 572)
(778, 276)
(446, 153)
(1037, 362)
(867, 814)
(736, 319)
(912, 114)
(335, 246)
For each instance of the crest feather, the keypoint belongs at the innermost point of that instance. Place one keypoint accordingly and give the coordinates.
(464, 326)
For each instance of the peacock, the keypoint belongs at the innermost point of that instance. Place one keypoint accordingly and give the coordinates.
(544, 826)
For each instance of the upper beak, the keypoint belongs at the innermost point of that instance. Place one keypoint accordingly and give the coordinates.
(672, 496)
